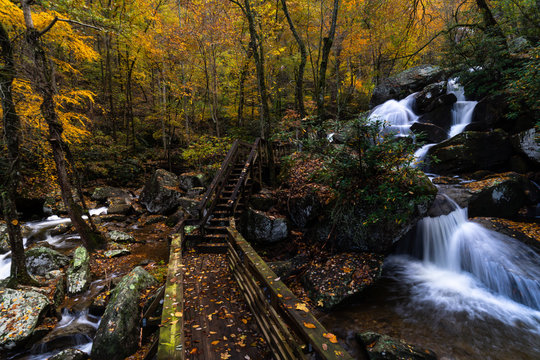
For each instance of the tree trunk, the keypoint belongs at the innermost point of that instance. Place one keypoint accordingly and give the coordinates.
(11, 124)
(327, 46)
(43, 83)
(299, 88)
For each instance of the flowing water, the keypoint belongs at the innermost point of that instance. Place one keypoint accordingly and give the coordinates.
(457, 288)
(397, 115)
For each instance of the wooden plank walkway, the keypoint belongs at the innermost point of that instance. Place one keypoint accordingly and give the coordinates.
(218, 323)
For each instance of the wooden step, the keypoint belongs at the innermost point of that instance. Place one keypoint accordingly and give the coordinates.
(218, 222)
(212, 248)
(215, 230)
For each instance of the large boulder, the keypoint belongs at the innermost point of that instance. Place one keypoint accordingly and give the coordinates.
(405, 83)
(118, 205)
(286, 268)
(425, 98)
(103, 193)
(78, 273)
(162, 193)
(118, 333)
(441, 117)
(441, 206)
(470, 151)
(341, 277)
(20, 314)
(501, 195)
(120, 237)
(265, 228)
(354, 230)
(4, 239)
(304, 209)
(70, 354)
(73, 334)
(526, 143)
(384, 347)
(431, 133)
(188, 181)
(41, 260)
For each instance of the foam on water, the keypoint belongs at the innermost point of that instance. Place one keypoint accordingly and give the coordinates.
(398, 116)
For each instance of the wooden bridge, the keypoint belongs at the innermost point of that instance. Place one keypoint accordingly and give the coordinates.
(221, 300)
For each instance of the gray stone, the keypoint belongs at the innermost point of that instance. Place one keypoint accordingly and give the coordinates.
(162, 193)
(118, 205)
(263, 201)
(70, 354)
(21, 313)
(424, 98)
(68, 336)
(61, 229)
(41, 260)
(4, 239)
(120, 237)
(191, 180)
(432, 133)
(265, 228)
(441, 206)
(118, 333)
(116, 253)
(189, 205)
(441, 117)
(286, 268)
(527, 144)
(304, 209)
(384, 347)
(104, 193)
(405, 83)
(78, 274)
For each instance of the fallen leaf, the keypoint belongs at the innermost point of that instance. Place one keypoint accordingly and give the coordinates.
(309, 325)
(302, 306)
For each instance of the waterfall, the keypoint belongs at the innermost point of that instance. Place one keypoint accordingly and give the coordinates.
(398, 116)
(462, 110)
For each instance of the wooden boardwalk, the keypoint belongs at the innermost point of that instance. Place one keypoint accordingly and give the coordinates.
(218, 323)
(222, 301)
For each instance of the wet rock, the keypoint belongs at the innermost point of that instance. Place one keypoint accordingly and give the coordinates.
(432, 133)
(490, 112)
(78, 274)
(501, 195)
(116, 253)
(441, 206)
(341, 277)
(526, 232)
(162, 193)
(426, 97)
(112, 217)
(526, 143)
(188, 181)
(68, 336)
(304, 209)
(120, 237)
(441, 117)
(4, 239)
(175, 218)
(470, 151)
(189, 205)
(194, 192)
(70, 354)
(384, 347)
(61, 229)
(102, 194)
(405, 83)
(265, 228)
(154, 219)
(457, 193)
(118, 332)
(41, 260)
(21, 313)
(118, 205)
(286, 268)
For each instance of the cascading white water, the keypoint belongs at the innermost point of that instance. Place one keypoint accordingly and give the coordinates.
(462, 110)
(398, 116)
(501, 264)
(62, 241)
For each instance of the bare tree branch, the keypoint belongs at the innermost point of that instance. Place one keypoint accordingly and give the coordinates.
(69, 21)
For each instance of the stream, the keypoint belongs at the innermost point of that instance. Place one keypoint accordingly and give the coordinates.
(461, 290)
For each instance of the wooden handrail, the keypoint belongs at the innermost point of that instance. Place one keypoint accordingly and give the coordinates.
(245, 174)
(275, 304)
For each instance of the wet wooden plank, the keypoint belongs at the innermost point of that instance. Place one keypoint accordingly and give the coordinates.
(292, 310)
(171, 333)
(218, 323)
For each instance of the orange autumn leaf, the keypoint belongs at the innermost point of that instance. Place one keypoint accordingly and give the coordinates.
(309, 325)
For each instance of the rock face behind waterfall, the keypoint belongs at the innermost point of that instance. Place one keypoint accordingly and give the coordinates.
(162, 193)
(405, 83)
(118, 333)
(471, 151)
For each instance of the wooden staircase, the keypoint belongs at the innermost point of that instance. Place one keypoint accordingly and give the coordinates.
(226, 197)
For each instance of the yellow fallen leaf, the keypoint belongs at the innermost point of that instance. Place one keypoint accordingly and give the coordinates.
(215, 342)
(302, 306)
(309, 325)
(178, 314)
(244, 321)
(331, 337)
